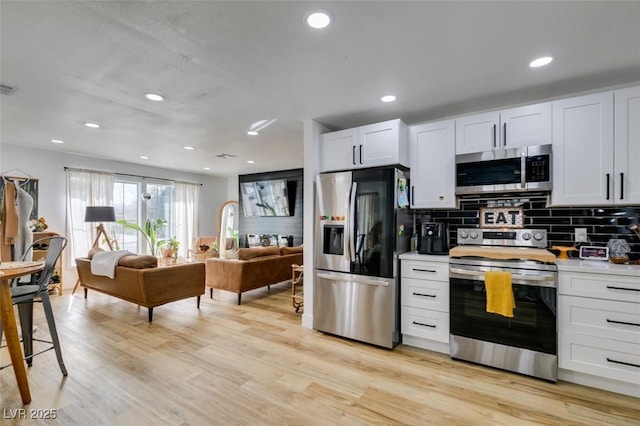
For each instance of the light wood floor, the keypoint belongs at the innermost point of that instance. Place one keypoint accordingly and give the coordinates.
(255, 364)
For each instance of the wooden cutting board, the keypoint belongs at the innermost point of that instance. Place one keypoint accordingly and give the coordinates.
(504, 253)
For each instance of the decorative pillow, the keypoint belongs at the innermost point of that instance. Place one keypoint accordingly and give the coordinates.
(93, 251)
(252, 252)
(139, 261)
(291, 250)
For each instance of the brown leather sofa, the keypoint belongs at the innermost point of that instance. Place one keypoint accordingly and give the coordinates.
(146, 286)
(255, 267)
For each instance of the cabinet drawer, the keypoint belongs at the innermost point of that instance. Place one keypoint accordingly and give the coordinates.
(602, 286)
(601, 357)
(432, 325)
(425, 294)
(601, 318)
(436, 271)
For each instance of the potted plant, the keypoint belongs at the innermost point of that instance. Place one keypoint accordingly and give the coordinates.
(149, 232)
(233, 233)
(169, 247)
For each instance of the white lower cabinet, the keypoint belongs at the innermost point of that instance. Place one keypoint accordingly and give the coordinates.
(424, 296)
(426, 324)
(599, 330)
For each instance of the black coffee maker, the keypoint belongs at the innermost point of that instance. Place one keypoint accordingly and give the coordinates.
(434, 238)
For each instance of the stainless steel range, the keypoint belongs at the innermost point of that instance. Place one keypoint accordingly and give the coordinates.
(525, 343)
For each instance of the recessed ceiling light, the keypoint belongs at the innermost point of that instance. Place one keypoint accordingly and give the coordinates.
(154, 97)
(252, 133)
(92, 125)
(540, 62)
(207, 168)
(319, 19)
(250, 161)
(388, 98)
(189, 148)
(144, 157)
(56, 141)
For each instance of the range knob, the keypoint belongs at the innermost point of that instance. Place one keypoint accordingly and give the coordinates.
(538, 236)
(526, 236)
(463, 234)
(473, 235)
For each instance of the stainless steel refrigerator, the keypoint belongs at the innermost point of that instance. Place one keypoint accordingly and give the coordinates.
(362, 224)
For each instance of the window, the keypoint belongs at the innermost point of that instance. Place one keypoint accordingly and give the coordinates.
(136, 201)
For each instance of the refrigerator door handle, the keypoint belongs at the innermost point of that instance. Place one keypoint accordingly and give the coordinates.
(352, 222)
(358, 280)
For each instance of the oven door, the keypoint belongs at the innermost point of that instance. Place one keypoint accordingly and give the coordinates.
(533, 325)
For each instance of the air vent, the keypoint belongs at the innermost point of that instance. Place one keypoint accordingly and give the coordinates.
(226, 156)
(6, 90)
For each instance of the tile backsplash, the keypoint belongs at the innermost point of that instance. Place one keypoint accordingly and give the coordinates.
(602, 223)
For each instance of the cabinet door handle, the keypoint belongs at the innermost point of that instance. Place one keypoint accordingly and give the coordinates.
(504, 133)
(622, 186)
(360, 154)
(619, 322)
(413, 190)
(494, 135)
(433, 295)
(608, 185)
(622, 288)
(433, 326)
(353, 154)
(621, 362)
(424, 270)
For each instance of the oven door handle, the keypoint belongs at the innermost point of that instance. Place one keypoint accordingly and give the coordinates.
(533, 280)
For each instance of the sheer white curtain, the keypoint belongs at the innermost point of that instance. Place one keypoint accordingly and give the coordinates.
(85, 188)
(185, 214)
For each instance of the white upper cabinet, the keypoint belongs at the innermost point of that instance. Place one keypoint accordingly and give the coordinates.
(583, 150)
(591, 166)
(510, 128)
(626, 162)
(379, 144)
(337, 150)
(433, 168)
(477, 133)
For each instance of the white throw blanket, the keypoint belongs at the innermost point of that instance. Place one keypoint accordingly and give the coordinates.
(104, 262)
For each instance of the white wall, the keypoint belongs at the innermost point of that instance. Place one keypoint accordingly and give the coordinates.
(312, 130)
(48, 168)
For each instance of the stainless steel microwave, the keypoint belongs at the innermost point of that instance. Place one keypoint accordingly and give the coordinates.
(506, 170)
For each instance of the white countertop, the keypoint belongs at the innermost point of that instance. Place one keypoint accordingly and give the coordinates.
(412, 255)
(597, 267)
(571, 265)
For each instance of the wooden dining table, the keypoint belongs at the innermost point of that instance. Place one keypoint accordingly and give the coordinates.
(9, 271)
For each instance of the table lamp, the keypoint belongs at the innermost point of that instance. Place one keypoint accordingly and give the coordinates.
(100, 214)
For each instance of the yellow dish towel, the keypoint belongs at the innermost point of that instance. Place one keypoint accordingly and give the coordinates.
(500, 298)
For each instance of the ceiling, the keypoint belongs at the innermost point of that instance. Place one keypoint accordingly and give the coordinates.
(225, 65)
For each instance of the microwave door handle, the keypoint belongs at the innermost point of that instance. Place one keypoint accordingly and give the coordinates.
(523, 169)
